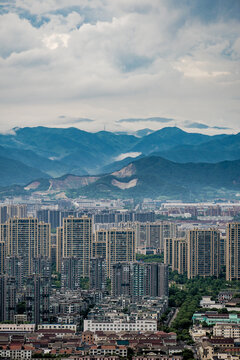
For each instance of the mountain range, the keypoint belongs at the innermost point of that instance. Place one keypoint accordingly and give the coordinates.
(169, 161)
(150, 176)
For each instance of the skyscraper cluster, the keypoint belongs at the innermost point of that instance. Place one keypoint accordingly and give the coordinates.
(29, 253)
(204, 253)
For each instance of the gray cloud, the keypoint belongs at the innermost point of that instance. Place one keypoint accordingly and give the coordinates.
(195, 125)
(221, 128)
(153, 119)
(65, 120)
(120, 59)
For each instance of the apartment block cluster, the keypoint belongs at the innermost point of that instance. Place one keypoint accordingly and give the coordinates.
(74, 277)
(43, 268)
(204, 211)
(204, 252)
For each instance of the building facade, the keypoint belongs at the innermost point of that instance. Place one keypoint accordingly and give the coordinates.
(233, 252)
(77, 241)
(203, 253)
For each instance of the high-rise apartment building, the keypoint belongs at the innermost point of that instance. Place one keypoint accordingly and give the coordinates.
(152, 235)
(168, 251)
(27, 239)
(44, 239)
(98, 274)
(3, 214)
(175, 254)
(233, 252)
(139, 279)
(23, 241)
(77, 241)
(2, 298)
(7, 298)
(223, 253)
(37, 299)
(43, 215)
(19, 211)
(179, 255)
(99, 246)
(55, 218)
(121, 247)
(157, 280)
(13, 268)
(52, 217)
(2, 257)
(42, 267)
(203, 253)
(4, 234)
(59, 249)
(121, 279)
(70, 273)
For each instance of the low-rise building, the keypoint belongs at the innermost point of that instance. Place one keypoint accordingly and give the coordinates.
(227, 330)
(8, 328)
(212, 317)
(72, 327)
(108, 350)
(206, 302)
(17, 352)
(120, 325)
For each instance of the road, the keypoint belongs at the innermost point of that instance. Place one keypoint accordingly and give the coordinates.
(173, 317)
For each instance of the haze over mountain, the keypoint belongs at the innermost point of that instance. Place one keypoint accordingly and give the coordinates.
(15, 172)
(151, 176)
(222, 147)
(55, 152)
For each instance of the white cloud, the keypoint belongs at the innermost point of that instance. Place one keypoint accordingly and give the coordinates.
(16, 35)
(109, 60)
(53, 41)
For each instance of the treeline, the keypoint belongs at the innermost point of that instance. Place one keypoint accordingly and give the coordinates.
(150, 258)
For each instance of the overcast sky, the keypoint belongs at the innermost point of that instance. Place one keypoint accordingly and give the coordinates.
(172, 62)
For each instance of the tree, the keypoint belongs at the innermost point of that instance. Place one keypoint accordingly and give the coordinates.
(130, 353)
(188, 354)
(21, 307)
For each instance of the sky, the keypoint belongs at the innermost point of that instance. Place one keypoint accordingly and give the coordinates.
(120, 65)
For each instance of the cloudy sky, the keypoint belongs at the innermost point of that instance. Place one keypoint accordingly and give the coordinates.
(120, 64)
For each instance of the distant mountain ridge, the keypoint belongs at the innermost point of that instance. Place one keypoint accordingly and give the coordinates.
(150, 176)
(154, 176)
(54, 152)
